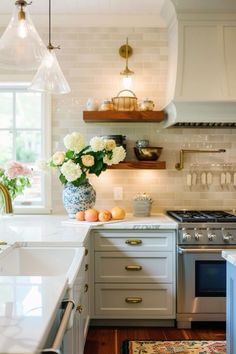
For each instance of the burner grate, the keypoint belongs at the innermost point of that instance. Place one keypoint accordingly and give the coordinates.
(202, 216)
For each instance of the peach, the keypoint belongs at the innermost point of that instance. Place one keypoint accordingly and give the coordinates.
(91, 215)
(117, 213)
(104, 215)
(79, 215)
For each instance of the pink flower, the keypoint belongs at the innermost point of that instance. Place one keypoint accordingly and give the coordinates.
(15, 169)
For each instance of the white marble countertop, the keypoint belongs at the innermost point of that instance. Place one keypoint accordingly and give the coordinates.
(27, 306)
(230, 256)
(42, 230)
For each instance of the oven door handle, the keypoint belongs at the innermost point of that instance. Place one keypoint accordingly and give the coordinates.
(199, 250)
(69, 305)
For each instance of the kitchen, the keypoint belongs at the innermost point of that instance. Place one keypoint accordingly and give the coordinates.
(91, 63)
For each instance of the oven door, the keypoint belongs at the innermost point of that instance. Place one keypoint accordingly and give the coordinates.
(201, 283)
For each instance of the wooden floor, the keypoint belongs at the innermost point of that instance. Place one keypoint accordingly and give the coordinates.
(107, 340)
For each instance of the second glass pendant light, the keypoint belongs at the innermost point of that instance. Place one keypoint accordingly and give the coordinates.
(49, 77)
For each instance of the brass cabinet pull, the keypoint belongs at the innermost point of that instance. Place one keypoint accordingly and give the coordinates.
(86, 251)
(133, 242)
(133, 267)
(86, 288)
(133, 300)
(86, 267)
(3, 243)
(79, 308)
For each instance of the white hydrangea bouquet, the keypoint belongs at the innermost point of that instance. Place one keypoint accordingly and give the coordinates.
(80, 159)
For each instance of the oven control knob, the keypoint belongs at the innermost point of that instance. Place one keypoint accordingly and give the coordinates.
(227, 237)
(197, 235)
(211, 237)
(186, 235)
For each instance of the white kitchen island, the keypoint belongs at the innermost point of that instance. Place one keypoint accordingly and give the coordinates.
(26, 322)
(230, 257)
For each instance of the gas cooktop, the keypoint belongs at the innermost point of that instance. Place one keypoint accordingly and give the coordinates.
(201, 216)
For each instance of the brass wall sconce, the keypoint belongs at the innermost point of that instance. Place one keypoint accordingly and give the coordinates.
(126, 51)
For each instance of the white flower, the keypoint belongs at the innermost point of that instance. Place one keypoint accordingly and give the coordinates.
(107, 160)
(97, 144)
(118, 155)
(110, 144)
(58, 158)
(88, 160)
(74, 142)
(71, 171)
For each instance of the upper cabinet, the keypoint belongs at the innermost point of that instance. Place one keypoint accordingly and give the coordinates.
(123, 116)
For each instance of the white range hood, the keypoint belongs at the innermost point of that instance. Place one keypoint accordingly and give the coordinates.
(202, 67)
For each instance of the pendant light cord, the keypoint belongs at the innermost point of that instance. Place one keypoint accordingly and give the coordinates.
(49, 24)
(50, 45)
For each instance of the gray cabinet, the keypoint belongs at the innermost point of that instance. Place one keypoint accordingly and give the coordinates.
(134, 274)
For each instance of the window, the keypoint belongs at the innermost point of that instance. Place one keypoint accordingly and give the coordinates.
(25, 137)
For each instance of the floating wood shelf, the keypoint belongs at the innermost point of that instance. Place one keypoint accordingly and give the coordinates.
(123, 116)
(148, 165)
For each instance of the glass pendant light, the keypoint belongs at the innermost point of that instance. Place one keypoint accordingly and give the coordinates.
(21, 48)
(49, 77)
(126, 51)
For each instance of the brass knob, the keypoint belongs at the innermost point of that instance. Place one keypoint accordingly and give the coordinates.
(133, 267)
(86, 288)
(79, 308)
(133, 300)
(133, 242)
(86, 267)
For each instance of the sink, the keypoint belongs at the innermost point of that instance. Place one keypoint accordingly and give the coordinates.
(41, 261)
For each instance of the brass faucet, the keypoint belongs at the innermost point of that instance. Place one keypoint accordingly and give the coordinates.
(6, 199)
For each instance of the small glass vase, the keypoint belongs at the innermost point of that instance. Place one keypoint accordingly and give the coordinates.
(78, 198)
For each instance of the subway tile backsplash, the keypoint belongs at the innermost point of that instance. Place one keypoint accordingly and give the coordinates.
(91, 63)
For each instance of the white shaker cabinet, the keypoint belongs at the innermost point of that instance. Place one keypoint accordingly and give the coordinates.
(134, 274)
(75, 338)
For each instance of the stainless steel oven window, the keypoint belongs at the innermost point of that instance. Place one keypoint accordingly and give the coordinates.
(210, 278)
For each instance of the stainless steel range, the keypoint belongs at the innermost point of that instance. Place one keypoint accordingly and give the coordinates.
(201, 271)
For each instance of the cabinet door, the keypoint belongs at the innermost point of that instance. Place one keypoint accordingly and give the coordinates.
(136, 240)
(231, 309)
(134, 301)
(134, 267)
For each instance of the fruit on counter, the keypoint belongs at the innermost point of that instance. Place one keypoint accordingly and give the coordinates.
(117, 213)
(91, 215)
(104, 215)
(80, 215)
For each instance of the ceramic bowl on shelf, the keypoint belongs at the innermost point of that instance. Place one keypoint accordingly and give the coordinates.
(148, 153)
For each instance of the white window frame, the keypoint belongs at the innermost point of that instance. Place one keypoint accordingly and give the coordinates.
(46, 207)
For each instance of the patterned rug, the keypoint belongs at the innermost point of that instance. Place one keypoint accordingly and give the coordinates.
(170, 347)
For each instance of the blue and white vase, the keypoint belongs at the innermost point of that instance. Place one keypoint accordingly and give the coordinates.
(78, 198)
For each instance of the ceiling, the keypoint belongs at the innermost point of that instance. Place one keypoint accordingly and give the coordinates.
(90, 6)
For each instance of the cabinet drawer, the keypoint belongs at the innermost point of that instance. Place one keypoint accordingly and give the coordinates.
(134, 301)
(134, 267)
(137, 240)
